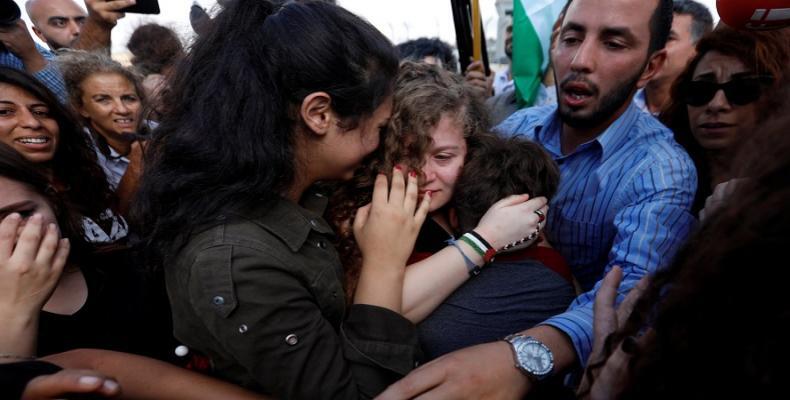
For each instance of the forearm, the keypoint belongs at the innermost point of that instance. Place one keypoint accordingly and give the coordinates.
(429, 282)
(18, 337)
(559, 343)
(380, 286)
(145, 378)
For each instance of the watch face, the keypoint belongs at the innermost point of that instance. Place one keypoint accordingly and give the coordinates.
(535, 358)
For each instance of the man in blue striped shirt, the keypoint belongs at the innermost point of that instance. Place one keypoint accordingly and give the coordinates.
(625, 193)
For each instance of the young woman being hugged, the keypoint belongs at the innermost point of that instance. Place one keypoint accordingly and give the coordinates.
(271, 101)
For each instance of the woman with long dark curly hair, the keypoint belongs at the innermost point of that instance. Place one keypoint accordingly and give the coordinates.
(34, 123)
(712, 124)
(710, 325)
(272, 100)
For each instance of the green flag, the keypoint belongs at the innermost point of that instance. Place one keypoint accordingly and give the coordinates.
(532, 23)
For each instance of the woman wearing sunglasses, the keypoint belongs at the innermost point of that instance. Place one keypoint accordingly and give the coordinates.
(727, 88)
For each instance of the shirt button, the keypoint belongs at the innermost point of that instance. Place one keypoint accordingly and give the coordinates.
(218, 300)
(416, 364)
(321, 244)
(243, 328)
(220, 217)
(314, 223)
(292, 339)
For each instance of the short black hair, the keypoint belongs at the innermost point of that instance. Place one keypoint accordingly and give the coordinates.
(498, 167)
(701, 18)
(417, 49)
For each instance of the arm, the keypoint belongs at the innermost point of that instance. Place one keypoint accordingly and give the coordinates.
(24, 54)
(127, 187)
(29, 272)
(103, 15)
(428, 282)
(665, 222)
(654, 222)
(146, 378)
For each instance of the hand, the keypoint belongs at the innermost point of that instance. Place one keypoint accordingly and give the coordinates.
(16, 38)
(721, 194)
(511, 219)
(485, 371)
(70, 382)
(609, 380)
(476, 77)
(105, 12)
(387, 228)
(29, 271)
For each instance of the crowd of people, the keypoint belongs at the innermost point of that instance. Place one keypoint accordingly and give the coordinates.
(293, 207)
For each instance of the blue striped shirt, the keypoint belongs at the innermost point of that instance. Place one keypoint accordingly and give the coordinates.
(50, 76)
(624, 199)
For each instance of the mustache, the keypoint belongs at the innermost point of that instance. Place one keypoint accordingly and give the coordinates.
(575, 77)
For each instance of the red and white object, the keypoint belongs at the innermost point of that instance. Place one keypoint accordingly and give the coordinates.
(754, 14)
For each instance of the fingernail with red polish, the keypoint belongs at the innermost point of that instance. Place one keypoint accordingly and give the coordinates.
(398, 167)
(413, 174)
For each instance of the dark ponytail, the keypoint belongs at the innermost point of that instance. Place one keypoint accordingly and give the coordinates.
(227, 143)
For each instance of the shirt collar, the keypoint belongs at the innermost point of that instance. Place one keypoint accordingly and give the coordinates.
(292, 222)
(547, 132)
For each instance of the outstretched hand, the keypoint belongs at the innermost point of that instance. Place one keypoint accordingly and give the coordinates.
(609, 379)
(106, 12)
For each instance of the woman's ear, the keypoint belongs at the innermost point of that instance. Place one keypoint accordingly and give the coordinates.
(316, 112)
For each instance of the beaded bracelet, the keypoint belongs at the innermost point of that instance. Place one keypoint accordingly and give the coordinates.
(473, 268)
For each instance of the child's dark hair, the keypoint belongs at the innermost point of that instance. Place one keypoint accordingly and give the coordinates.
(500, 167)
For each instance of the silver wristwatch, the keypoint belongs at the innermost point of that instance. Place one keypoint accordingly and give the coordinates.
(532, 357)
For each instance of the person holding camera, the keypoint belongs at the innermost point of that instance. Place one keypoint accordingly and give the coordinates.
(19, 51)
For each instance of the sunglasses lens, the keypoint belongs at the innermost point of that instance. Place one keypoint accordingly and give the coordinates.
(700, 93)
(743, 91)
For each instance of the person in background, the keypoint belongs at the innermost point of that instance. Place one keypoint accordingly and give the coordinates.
(727, 89)
(155, 49)
(690, 21)
(665, 341)
(110, 99)
(46, 133)
(58, 23)
(429, 50)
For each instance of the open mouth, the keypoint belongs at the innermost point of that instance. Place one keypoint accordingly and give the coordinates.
(124, 121)
(576, 94)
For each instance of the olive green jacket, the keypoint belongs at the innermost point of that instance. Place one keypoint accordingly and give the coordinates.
(262, 297)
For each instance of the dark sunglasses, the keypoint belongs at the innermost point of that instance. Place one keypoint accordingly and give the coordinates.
(739, 91)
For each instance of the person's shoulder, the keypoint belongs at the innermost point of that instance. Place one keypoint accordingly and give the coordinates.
(657, 141)
(524, 119)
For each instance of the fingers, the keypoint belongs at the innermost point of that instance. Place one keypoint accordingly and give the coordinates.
(422, 212)
(627, 306)
(398, 189)
(49, 246)
(361, 218)
(412, 193)
(70, 381)
(475, 66)
(28, 243)
(607, 293)
(511, 200)
(115, 5)
(61, 256)
(380, 190)
(8, 229)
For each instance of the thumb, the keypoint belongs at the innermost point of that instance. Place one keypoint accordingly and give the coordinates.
(361, 218)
